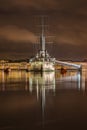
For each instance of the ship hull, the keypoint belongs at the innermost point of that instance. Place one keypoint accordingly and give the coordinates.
(42, 67)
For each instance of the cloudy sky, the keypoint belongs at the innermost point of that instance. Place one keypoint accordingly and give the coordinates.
(67, 28)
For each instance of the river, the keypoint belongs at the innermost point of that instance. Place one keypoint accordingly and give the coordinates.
(43, 100)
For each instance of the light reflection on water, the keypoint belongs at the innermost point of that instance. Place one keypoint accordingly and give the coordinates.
(41, 99)
(41, 83)
(22, 80)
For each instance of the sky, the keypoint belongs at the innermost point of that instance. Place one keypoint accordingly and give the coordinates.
(66, 30)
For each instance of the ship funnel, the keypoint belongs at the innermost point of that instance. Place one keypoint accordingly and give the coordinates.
(42, 42)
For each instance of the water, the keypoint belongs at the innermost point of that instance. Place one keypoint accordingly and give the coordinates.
(43, 101)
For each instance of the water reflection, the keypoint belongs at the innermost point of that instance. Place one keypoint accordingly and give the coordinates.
(42, 83)
(21, 80)
(54, 98)
(72, 80)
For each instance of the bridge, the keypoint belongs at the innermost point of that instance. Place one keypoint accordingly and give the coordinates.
(76, 66)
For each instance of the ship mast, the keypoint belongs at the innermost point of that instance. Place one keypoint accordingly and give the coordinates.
(42, 38)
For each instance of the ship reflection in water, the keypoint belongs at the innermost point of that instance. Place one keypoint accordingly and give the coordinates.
(46, 100)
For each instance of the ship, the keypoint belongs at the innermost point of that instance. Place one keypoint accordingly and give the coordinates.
(42, 61)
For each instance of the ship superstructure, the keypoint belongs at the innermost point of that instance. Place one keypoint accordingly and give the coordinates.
(42, 60)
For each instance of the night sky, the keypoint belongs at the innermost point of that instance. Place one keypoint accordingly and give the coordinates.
(67, 28)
